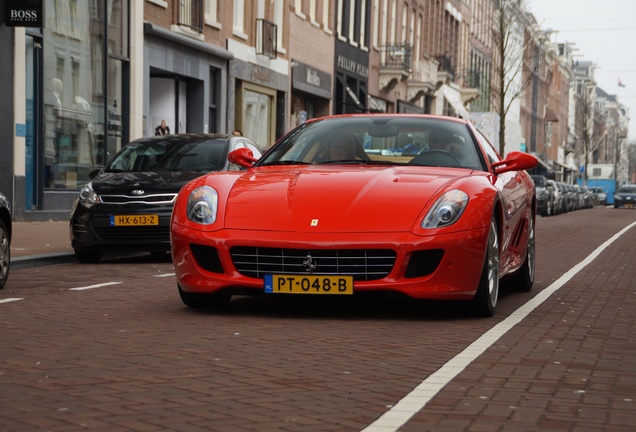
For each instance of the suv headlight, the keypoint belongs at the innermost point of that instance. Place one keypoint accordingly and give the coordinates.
(88, 197)
(202, 205)
(446, 210)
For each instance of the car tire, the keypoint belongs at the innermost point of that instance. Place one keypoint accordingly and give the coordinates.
(88, 257)
(523, 279)
(5, 254)
(203, 300)
(485, 300)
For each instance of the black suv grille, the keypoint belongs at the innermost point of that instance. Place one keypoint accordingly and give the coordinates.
(141, 234)
(362, 264)
(143, 199)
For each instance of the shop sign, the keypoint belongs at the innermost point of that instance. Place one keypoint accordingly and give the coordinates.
(311, 80)
(114, 124)
(24, 13)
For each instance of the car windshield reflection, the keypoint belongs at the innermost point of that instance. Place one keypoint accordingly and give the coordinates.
(378, 140)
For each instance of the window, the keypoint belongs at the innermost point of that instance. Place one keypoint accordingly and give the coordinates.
(84, 95)
(376, 23)
(237, 21)
(278, 21)
(210, 11)
(214, 101)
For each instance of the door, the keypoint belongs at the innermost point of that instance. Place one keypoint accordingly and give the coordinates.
(34, 115)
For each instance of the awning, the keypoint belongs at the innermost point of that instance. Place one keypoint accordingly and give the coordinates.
(454, 98)
(567, 167)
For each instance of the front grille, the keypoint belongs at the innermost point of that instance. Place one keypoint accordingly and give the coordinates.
(362, 264)
(134, 234)
(144, 199)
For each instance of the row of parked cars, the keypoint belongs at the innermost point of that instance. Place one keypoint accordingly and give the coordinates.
(555, 197)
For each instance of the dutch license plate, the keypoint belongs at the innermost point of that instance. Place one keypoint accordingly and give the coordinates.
(308, 284)
(134, 220)
(630, 205)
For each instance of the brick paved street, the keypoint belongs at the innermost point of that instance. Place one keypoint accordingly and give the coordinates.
(77, 355)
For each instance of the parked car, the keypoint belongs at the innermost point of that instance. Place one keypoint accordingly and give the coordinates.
(5, 239)
(545, 196)
(339, 207)
(582, 197)
(601, 195)
(560, 196)
(126, 206)
(589, 197)
(625, 196)
(571, 198)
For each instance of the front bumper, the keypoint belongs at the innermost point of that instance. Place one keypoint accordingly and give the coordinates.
(91, 230)
(455, 276)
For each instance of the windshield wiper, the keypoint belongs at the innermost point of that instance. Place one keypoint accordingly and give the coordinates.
(286, 162)
(347, 161)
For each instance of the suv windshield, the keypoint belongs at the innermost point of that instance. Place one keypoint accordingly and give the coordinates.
(170, 154)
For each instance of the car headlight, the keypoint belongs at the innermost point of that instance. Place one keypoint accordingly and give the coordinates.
(202, 205)
(446, 210)
(541, 194)
(88, 197)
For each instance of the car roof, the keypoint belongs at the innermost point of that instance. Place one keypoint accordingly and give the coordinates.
(179, 138)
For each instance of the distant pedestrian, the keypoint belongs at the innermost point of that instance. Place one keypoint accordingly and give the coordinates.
(162, 129)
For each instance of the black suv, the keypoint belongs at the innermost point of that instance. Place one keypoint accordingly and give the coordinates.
(126, 206)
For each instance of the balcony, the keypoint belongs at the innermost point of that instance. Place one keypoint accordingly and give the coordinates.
(191, 15)
(446, 70)
(423, 80)
(266, 38)
(396, 62)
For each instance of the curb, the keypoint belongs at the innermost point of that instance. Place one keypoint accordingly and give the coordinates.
(27, 262)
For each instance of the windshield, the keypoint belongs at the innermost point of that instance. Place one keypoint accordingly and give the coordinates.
(539, 181)
(377, 139)
(627, 189)
(171, 154)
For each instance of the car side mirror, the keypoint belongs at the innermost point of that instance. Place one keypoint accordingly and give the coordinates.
(243, 157)
(516, 161)
(93, 174)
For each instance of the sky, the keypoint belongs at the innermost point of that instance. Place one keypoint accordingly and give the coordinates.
(603, 32)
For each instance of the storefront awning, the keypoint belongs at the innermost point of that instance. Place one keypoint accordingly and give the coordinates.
(152, 29)
(454, 98)
(566, 167)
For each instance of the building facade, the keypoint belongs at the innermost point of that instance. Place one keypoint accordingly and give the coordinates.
(87, 77)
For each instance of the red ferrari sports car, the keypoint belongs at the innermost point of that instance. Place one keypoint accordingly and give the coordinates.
(378, 204)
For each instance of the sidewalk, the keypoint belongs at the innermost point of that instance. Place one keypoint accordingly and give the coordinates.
(35, 244)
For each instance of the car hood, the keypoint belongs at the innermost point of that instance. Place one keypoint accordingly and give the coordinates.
(149, 182)
(360, 199)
